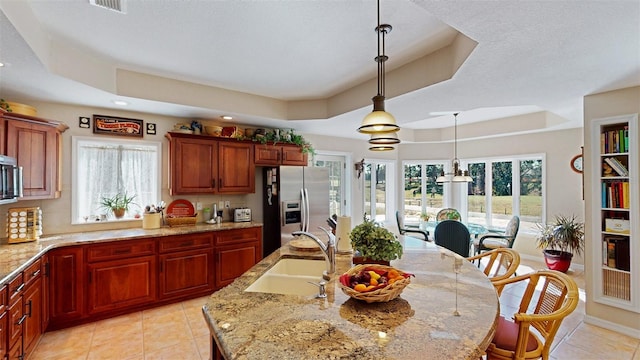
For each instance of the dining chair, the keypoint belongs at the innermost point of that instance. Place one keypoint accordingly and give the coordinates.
(403, 229)
(454, 236)
(530, 332)
(501, 263)
(448, 214)
(494, 240)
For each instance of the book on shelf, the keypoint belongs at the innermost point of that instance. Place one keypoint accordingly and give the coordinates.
(615, 141)
(615, 251)
(615, 194)
(617, 166)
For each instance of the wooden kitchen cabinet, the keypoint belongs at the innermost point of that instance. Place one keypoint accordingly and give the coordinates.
(45, 292)
(200, 164)
(193, 165)
(236, 251)
(121, 275)
(32, 302)
(37, 145)
(273, 155)
(3, 323)
(186, 265)
(236, 169)
(66, 286)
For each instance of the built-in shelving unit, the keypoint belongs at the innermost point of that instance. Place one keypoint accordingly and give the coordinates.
(616, 225)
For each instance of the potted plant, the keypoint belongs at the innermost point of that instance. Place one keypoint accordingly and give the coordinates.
(372, 243)
(560, 240)
(118, 204)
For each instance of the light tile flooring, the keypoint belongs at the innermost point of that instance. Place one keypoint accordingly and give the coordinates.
(178, 331)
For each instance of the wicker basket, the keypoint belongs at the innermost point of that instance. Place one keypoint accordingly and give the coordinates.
(384, 294)
(181, 221)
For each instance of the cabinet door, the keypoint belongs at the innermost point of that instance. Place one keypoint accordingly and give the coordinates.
(293, 155)
(45, 293)
(194, 166)
(35, 146)
(66, 284)
(120, 284)
(236, 169)
(32, 300)
(185, 273)
(3, 334)
(232, 261)
(267, 154)
(16, 318)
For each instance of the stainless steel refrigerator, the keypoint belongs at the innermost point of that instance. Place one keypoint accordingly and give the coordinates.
(296, 198)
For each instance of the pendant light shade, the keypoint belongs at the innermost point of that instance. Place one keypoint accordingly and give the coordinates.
(381, 148)
(379, 121)
(458, 175)
(386, 138)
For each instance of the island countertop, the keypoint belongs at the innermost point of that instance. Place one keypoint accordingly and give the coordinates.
(419, 324)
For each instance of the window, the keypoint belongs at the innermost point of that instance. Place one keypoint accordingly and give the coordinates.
(421, 192)
(379, 187)
(336, 163)
(105, 167)
(505, 187)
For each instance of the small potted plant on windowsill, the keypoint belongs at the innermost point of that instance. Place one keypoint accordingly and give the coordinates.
(373, 244)
(118, 204)
(560, 240)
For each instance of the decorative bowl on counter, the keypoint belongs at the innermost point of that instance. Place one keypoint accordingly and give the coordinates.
(374, 283)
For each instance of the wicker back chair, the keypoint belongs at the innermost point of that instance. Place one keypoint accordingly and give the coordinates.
(501, 264)
(530, 333)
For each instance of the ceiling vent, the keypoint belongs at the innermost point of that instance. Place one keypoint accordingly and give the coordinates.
(114, 5)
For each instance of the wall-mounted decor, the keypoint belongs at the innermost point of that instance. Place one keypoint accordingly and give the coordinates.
(112, 125)
(151, 129)
(84, 122)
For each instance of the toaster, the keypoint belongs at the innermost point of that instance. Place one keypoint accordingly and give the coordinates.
(241, 215)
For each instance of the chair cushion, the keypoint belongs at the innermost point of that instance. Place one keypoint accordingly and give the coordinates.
(507, 335)
(491, 243)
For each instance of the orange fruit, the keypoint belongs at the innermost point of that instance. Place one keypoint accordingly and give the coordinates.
(393, 273)
(360, 287)
(373, 282)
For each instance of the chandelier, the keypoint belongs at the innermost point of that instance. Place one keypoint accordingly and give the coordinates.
(457, 175)
(379, 121)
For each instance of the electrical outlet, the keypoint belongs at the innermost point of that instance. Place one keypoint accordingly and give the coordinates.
(199, 206)
(227, 204)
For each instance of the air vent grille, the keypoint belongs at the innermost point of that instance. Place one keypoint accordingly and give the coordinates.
(114, 5)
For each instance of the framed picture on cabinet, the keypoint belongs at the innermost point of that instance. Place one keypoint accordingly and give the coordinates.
(112, 125)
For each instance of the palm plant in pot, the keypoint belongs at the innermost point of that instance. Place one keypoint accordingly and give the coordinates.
(118, 204)
(372, 243)
(560, 240)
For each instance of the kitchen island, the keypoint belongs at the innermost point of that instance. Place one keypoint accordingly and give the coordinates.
(418, 325)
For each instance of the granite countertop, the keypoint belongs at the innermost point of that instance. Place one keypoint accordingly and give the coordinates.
(419, 324)
(16, 257)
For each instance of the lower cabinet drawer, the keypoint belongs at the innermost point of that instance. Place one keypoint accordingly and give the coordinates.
(238, 235)
(120, 249)
(185, 242)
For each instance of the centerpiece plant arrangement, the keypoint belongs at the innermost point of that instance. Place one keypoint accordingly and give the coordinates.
(372, 243)
(559, 240)
(117, 204)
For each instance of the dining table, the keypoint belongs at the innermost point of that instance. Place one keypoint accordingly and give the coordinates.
(448, 311)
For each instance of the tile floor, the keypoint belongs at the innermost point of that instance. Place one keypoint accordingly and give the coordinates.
(178, 331)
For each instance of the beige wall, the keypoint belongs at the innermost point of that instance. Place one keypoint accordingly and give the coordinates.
(607, 104)
(563, 193)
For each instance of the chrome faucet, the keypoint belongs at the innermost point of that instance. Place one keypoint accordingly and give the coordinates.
(329, 250)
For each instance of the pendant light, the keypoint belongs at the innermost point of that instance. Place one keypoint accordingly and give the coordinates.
(379, 121)
(457, 175)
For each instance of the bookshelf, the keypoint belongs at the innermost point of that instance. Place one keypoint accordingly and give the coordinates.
(616, 241)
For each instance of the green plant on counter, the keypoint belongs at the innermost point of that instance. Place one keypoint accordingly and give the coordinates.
(375, 242)
(118, 204)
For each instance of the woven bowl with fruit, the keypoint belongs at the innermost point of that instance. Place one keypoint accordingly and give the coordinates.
(374, 283)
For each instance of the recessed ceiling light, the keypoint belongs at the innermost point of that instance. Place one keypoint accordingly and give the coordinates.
(227, 117)
(120, 102)
(1, 64)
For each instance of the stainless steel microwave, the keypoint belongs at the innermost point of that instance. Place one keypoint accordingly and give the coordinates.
(10, 180)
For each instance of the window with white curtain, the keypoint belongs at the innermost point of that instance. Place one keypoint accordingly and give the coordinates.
(106, 167)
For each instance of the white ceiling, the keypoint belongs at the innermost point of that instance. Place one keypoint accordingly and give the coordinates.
(262, 56)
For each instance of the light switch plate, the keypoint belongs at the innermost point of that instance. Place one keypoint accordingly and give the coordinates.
(199, 206)
(220, 205)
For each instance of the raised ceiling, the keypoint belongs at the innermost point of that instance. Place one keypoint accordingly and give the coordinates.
(309, 64)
